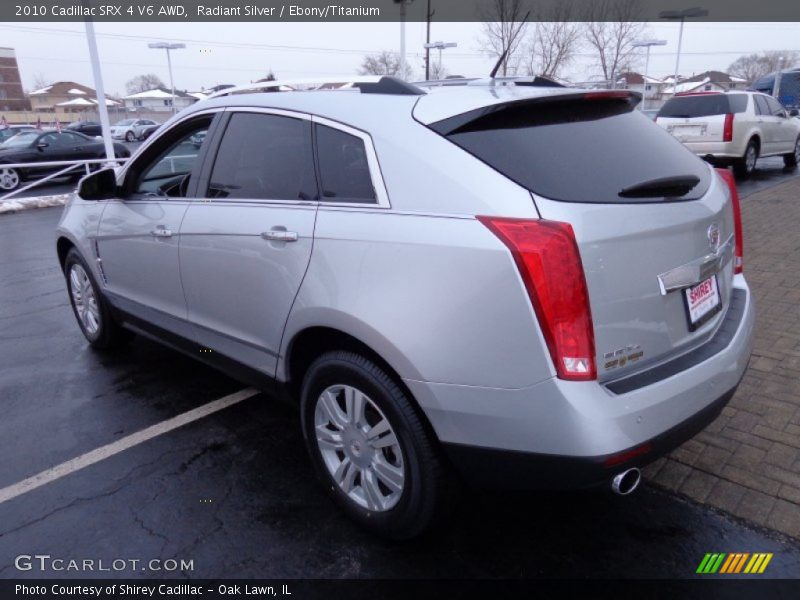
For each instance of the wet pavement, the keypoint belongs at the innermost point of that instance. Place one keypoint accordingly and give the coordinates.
(234, 492)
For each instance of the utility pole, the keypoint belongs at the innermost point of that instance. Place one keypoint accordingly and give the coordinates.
(429, 16)
(681, 15)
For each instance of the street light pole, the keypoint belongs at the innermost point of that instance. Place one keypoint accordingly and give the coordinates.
(428, 17)
(439, 46)
(403, 4)
(647, 44)
(102, 109)
(682, 15)
(169, 46)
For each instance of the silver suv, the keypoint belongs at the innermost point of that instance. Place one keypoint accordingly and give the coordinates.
(524, 286)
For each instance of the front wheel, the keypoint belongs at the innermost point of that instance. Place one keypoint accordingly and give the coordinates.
(369, 446)
(130, 137)
(745, 166)
(91, 311)
(9, 179)
(793, 158)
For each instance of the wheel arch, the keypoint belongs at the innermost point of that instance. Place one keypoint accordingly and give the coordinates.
(312, 342)
(63, 246)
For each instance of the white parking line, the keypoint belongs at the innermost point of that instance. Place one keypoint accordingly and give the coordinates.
(95, 456)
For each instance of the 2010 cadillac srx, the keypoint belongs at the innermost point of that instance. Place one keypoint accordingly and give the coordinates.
(525, 286)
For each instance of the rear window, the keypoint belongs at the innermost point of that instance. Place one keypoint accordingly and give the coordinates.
(686, 107)
(575, 150)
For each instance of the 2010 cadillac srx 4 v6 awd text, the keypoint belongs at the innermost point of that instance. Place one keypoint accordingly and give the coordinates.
(498, 282)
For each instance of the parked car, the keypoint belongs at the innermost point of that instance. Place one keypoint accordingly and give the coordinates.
(129, 129)
(90, 128)
(473, 300)
(147, 130)
(733, 128)
(13, 130)
(198, 138)
(46, 146)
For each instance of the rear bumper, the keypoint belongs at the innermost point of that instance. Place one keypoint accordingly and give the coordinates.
(493, 468)
(726, 151)
(560, 434)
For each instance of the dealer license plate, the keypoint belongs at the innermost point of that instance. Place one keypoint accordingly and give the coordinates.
(702, 302)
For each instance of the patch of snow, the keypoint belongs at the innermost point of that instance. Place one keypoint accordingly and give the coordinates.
(17, 204)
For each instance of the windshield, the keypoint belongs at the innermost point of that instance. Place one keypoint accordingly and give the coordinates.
(125, 122)
(21, 139)
(577, 150)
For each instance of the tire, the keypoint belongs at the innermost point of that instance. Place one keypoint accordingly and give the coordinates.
(409, 494)
(130, 137)
(793, 158)
(90, 308)
(10, 179)
(744, 167)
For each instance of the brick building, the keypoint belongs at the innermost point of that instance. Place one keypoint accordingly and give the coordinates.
(12, 97)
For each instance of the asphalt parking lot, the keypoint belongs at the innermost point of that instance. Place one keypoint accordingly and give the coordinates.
(233, 491)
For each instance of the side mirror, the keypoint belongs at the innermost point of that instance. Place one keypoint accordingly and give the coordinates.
(101, 185)
(794, 112)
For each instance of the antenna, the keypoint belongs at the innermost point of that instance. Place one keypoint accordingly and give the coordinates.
(505, 52)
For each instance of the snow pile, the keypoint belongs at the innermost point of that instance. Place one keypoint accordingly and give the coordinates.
(16, 204)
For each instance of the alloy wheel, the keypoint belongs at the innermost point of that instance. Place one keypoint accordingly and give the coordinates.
(9, 179)
(84, 299)
(750, 158)
(359, 448)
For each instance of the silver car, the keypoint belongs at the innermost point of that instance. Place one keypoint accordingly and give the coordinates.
(511, 285)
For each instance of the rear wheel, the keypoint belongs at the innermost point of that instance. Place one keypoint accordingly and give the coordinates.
(89, 307)
(9, 179)
(369, 446)
(745, 166)
(793, 158)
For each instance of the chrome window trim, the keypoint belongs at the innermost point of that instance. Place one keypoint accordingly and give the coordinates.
(381, 195)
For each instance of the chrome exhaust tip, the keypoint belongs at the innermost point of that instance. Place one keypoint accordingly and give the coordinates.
(626, 482)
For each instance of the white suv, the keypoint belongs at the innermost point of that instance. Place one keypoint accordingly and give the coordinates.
(734, 128)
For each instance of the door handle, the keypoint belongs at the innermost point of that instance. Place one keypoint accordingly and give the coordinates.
(161, 232)
(279, 235)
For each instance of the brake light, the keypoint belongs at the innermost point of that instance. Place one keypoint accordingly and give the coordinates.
(549, 262)
(738, 254)
(727, 129)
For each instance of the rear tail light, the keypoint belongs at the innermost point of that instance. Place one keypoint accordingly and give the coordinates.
(738, 255)
(549, 262)
(727, 129)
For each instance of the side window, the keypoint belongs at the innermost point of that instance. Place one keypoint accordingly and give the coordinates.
(167, 173)
(264, 157)
(70, 139)
(775, 108)
(343, 166)
(51, 139)
(761, 105)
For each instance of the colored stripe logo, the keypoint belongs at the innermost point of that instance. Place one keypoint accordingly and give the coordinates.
(734, 563)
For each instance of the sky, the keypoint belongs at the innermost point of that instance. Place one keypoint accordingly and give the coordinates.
(242, 52)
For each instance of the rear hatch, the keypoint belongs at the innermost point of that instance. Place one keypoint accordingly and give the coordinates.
(641, 206)
(700, 117)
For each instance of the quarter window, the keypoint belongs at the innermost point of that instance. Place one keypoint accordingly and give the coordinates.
(264, 157)
(343, 166)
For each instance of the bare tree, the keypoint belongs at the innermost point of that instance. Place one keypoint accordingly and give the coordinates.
(612, 27)
(503, 27)
(554, 40)
(142, 83)
(753, 66)
(438, 70)
(40, 81)
(385, 63)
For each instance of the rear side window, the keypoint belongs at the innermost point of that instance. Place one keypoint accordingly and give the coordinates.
(264, 157)
(761, 105)
(688, 107)
(576, 150)
(343, 166)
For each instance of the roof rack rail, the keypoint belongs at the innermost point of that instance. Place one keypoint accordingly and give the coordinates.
(369, 84)
(534, 81)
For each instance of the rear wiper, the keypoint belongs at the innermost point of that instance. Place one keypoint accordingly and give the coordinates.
(670, 187)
